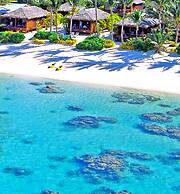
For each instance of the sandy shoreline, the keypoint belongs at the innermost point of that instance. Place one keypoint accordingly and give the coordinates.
(113, 67)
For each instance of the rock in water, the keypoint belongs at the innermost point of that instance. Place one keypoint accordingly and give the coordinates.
(156, 117)
(17, 171)
(51, 90)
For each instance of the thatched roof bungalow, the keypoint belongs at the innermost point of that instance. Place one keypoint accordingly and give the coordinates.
(67, 7)
(146, 26)
(85, 20)
(23, 19)
(136, 5)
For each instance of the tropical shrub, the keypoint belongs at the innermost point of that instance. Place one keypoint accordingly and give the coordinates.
(54, 38)
(16, 37)
(4, 37)
(70, 42)
(128, 45)
(43, 35)
(138, 44)
(92, 43)
(108, 43)
(61, 42)
(172, 43)
(95, 38)
(170, 49)
(158, 40)
(11, 37)
(89, 45)
(38, 41)
(64, 37)
(143, 45)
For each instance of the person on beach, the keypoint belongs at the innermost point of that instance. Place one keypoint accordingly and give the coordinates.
(52, 65)
(59, 68)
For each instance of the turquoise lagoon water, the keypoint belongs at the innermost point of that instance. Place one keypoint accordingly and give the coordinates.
(32, 130)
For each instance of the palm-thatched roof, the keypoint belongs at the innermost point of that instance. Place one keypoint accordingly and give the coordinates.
(67, 7)
(27, 12)
(145, 23)
(90, 15)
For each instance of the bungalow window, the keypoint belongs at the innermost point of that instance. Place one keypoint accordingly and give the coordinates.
(75, 25)
(84, 25)
(12, 22)
(21, 22)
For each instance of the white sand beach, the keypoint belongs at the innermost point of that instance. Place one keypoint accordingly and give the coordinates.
(131, 69)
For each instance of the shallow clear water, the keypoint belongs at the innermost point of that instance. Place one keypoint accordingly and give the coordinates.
(39, 118)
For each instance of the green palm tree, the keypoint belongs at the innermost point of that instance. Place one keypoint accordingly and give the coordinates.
(111, 3)
(2, 2)
(158, 9)
(55, 6)
(159, 39)
(96, 13)
(136, 17)
(75, 4)
(175, 16)
(124, 4)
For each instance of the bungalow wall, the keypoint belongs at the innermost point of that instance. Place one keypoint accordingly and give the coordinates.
(31, 24)
(130, 9)
(87, 27)
(130, 32)
(21, 25)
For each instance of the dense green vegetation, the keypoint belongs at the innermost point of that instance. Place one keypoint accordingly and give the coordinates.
(95, 43)
(11, 37)
(167, 11)
(2, 2)
(53, 37)
(138, 44)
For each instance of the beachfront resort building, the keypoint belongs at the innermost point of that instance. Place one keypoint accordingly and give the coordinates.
(66, 8)
(136, 5)
(23, 19)
(146, 26)
(85, 20)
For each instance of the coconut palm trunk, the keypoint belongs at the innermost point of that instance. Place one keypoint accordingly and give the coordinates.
(122, 26)
(56, 21)
(137, 29)
(160, 23)
(111, 31)
(51, 20)
(73, 11)
(96, 14)
(177, 33)
(70, 27)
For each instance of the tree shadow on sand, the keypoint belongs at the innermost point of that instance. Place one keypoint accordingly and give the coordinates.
(117, 60)
(167, 63)
(15, 50)
(112, 59)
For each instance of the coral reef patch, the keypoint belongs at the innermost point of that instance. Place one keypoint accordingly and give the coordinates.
(17, 171)
(88, 121)
(134, 98)
(156, 117)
